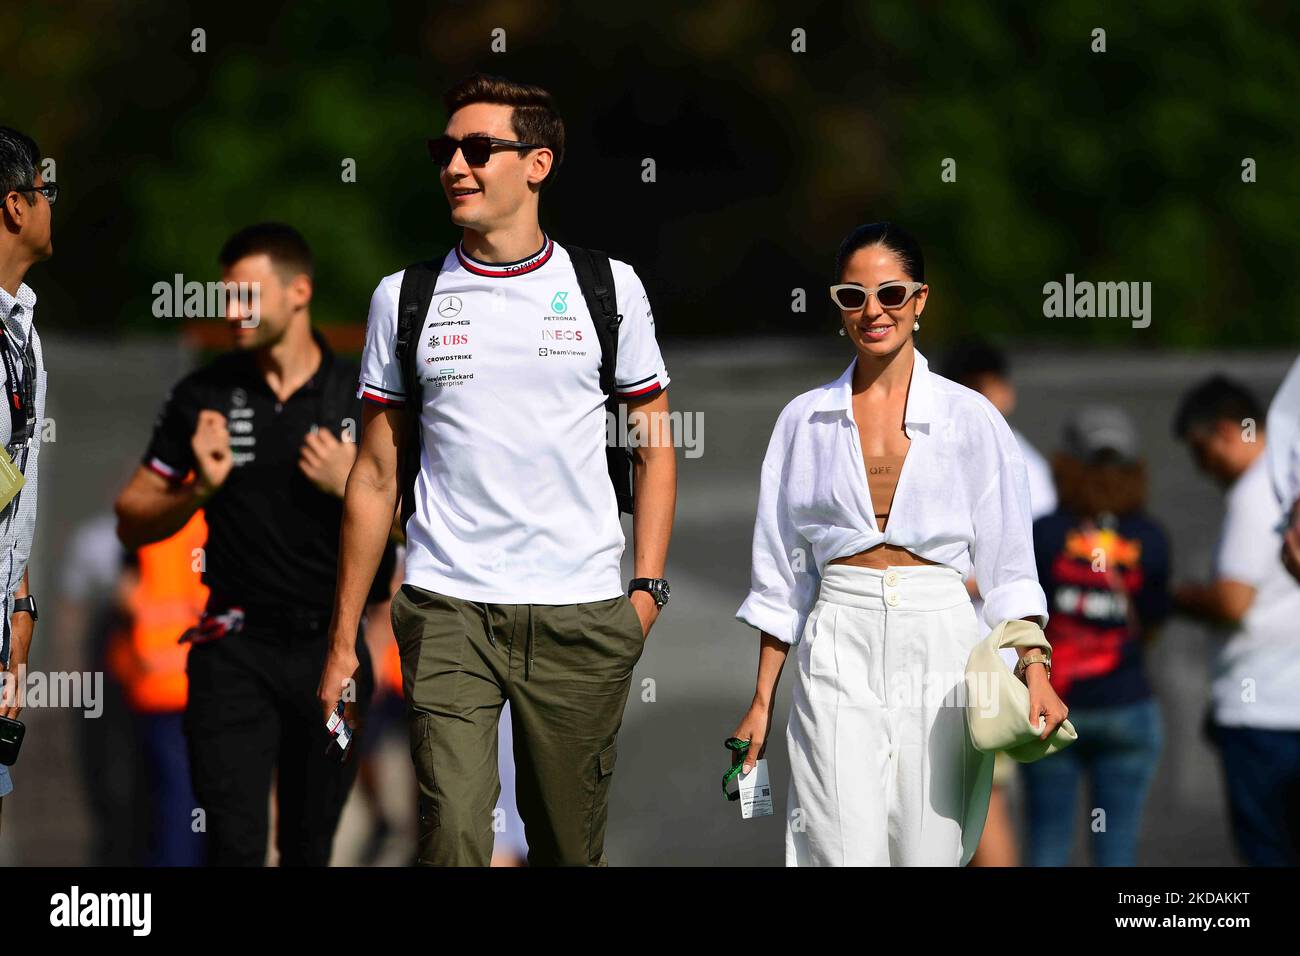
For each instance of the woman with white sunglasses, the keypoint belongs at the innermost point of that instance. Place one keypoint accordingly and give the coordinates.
(880, 492)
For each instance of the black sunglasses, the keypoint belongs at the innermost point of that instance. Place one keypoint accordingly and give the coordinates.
(477, 150)
(50, 191)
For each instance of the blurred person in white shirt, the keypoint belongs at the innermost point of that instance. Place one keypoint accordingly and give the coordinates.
(1255, 682)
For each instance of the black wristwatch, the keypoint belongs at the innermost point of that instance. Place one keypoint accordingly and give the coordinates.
(658, 588)
(27, 604)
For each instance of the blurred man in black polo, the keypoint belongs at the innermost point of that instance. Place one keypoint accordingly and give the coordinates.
(251, 438)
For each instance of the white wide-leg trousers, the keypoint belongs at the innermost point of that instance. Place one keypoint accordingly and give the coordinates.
(882, 772)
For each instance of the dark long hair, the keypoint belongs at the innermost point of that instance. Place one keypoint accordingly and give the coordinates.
(893, 237)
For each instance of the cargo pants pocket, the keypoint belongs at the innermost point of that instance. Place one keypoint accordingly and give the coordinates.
(598, 816)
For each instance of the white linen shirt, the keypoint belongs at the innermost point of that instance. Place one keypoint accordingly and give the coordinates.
(962, 500)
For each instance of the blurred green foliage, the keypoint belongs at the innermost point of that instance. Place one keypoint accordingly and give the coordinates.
(1122, 165)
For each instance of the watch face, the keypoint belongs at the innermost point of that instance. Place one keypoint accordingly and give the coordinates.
(657, 588)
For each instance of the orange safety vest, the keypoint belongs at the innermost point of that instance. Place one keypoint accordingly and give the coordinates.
(166, 602)
(390, 668)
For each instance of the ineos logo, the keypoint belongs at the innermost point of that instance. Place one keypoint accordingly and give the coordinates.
(449, 306)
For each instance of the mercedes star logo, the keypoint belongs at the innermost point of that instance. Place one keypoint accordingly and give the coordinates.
(449, 306)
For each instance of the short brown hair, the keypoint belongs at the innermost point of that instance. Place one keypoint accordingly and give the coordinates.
(534, 117)
(283, 244)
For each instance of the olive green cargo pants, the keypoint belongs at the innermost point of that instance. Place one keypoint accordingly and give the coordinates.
(566, 670)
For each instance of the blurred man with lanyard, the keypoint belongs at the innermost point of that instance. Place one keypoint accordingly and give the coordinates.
(24, 240)
(257, 428)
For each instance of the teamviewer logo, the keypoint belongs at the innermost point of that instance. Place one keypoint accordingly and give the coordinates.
(542, 351)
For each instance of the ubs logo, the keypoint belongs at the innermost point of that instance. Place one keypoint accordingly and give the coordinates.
(453, 339)
(449, 306)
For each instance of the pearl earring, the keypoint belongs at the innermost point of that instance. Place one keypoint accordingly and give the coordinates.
(916, 326)
(842, 331)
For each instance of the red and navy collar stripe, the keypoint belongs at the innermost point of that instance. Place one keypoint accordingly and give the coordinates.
(504, 270)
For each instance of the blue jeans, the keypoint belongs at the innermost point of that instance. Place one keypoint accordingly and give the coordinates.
(1118, 748)
(1261, 770)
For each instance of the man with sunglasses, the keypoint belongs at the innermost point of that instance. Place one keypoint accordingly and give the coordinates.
(513, 587)
(24, 240)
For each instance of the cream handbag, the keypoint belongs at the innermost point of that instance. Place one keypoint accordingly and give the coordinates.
(997, 702)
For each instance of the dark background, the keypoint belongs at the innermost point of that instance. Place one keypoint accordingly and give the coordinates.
(1115, 166)
(1122, 165)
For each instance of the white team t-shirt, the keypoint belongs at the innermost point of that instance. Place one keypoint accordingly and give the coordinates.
(1256, 675)
(513, 503)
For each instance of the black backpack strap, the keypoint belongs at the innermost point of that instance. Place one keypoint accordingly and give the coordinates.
(596, 280)
(419, 283)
